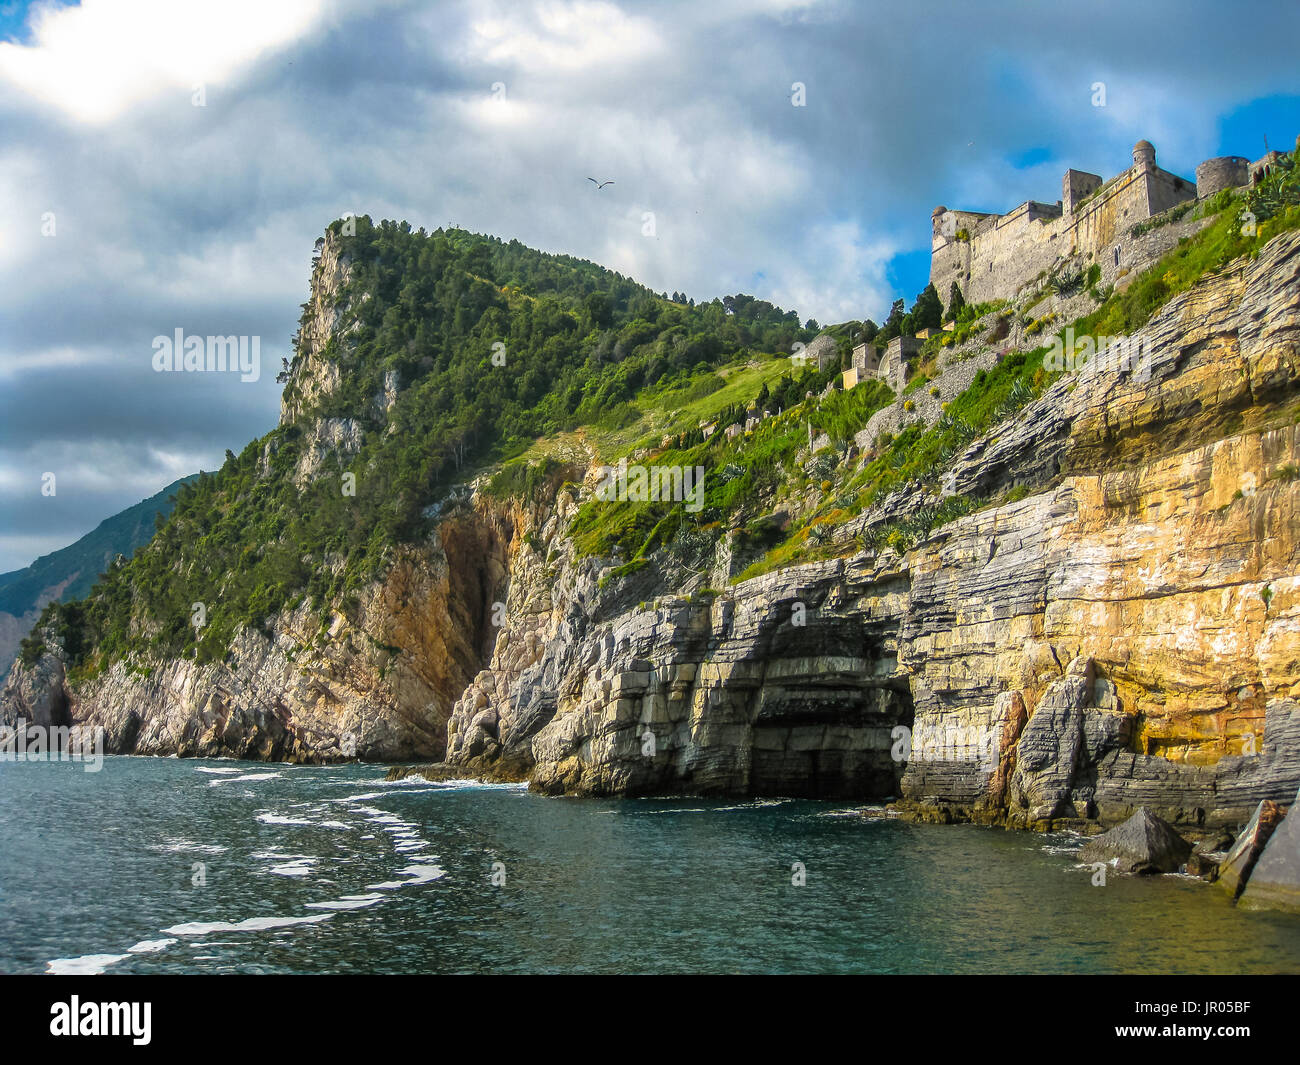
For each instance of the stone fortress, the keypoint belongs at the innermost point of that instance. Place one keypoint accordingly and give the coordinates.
(994, 256)
(998, 256)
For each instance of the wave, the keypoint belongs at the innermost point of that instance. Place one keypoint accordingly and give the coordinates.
(87, 965)
(418, 874)
(251, 924)
(347, 902)
(297, 867)
(151, 946)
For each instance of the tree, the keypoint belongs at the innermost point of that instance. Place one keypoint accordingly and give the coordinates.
(600, 310)
(956, 301)
(893, 324)
(927, 311)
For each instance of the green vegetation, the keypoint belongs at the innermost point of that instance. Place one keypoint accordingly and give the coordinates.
(738, 472)
(586, 352)
(580, 344)
(919, 454)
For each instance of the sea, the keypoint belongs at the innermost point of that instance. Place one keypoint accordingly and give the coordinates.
(166, 865)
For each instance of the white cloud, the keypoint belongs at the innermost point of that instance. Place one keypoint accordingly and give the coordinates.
(564, 37)
(96, 60)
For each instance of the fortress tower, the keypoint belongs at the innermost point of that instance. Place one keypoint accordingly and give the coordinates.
(1225, 172)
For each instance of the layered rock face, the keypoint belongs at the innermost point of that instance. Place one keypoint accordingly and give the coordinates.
(1124, 634)
(1127, 635)
(378, 684)
(786, 688)
(1165, 555)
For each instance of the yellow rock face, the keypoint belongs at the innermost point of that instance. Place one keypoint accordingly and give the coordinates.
(1167, 552)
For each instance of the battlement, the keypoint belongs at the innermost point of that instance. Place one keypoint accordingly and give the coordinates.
(994, 256)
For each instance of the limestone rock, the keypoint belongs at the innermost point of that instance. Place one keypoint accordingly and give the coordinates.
(1274, 883)
(1143, 844)
(1235, 869)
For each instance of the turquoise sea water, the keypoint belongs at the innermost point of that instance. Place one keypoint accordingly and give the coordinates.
(327, 870)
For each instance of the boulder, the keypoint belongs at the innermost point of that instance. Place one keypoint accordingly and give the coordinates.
(1235, 869)
(1274, 883)
(1204, 863)
(1143, 844)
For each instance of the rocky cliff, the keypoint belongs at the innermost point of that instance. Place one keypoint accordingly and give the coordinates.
(1118, 627)
(1126, 634)
(373, 679)
(376, 684)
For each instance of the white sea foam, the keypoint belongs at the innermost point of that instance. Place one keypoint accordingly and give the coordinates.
(181, 846)
(300, 867)
(151, 946)
(87, 965)
(214, 769)
(276, 819)
(418, 874)
(347, 902)
(252, 924)
(754, 804)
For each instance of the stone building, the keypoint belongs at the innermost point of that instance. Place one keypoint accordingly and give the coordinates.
(893, 366)
(994, 256)
(863, 363)
(898, 360)
(866, 359)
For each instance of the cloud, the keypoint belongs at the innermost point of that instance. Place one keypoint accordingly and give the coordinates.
(94, 61)
(168, 215)
(563, 37)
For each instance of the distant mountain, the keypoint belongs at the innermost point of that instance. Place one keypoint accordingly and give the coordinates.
(72, 571)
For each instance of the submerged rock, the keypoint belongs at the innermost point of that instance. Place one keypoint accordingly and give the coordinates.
(1235, 869)
(1274, 883)
(1143, 844)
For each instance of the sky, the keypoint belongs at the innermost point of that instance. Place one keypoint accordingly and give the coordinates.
(168, 164)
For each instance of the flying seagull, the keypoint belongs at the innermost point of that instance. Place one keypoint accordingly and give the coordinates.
(599, 184)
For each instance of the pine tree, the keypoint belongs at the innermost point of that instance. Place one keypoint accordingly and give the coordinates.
(927, 311)
(956, 301)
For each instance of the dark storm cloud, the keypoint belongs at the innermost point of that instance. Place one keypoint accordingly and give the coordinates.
(203, 218)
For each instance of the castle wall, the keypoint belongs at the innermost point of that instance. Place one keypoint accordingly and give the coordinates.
(896, 363)
(1008, 252)
(1076, 185)
(865, 359)
(1004, 253)
(1166, 190)
(1226, 172)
